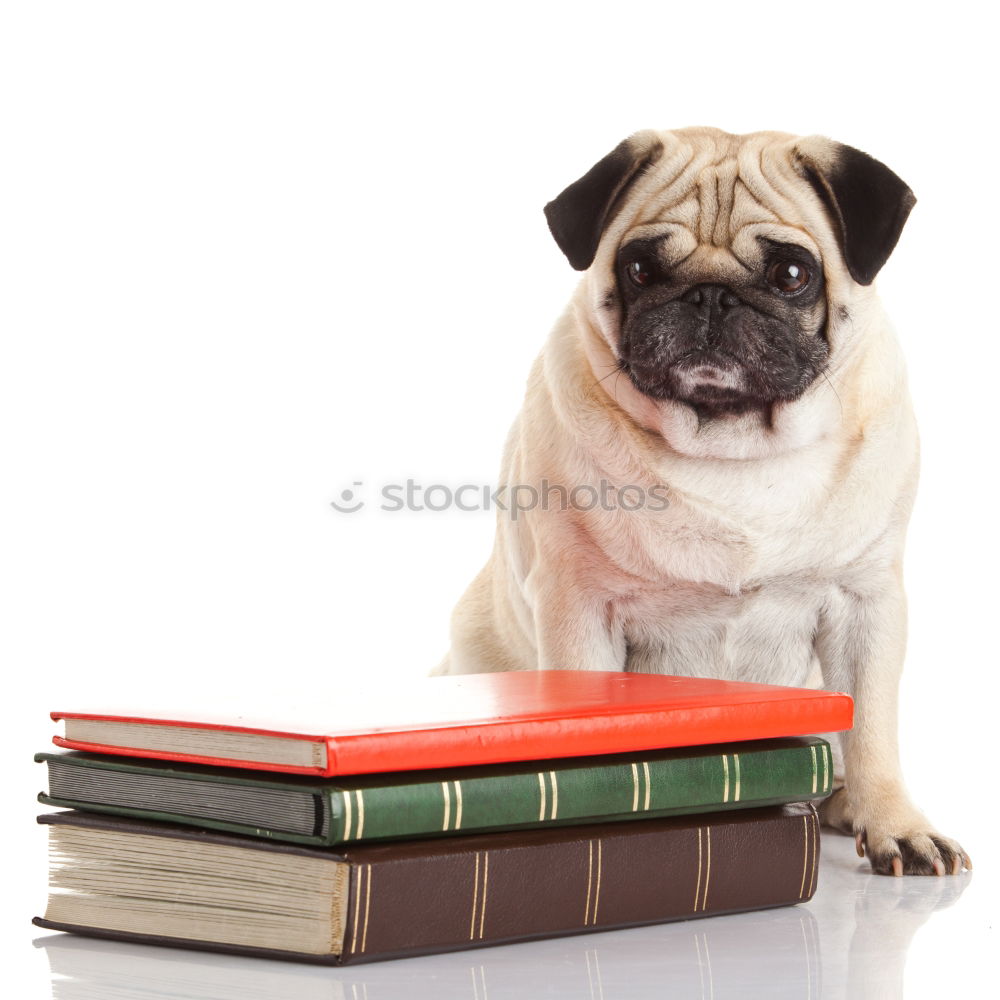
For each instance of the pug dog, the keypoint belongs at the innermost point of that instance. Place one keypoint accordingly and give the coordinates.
(721, 450)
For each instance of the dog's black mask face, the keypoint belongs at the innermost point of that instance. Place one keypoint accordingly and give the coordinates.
(731, 344)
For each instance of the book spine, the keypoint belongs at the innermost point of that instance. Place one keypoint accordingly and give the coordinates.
(586, 736)
(488, 890)
(629, 789)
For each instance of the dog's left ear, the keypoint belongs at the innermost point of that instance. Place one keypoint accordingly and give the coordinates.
(867, 202)
(579, 216)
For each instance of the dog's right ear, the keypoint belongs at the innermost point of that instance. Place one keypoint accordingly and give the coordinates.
(579, 216)
(867, 203)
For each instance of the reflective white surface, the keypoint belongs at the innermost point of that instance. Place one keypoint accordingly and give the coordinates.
(856, 939)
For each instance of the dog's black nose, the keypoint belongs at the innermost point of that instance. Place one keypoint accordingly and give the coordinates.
(711, 298)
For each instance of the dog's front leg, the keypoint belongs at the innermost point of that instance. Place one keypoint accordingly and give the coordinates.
(861, 643)
(575, 628)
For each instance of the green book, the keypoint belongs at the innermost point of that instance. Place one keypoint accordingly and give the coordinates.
(417, 804)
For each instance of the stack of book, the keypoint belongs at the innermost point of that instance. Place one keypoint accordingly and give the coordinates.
(458, 812)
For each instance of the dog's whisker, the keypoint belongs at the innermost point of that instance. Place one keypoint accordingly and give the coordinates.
(833, 388)
(618, 368)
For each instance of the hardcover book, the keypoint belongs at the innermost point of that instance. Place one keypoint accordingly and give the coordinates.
(447, 802)
(165, 884)
(469, 720)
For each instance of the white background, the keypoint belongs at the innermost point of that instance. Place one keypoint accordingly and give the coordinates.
(253, 253)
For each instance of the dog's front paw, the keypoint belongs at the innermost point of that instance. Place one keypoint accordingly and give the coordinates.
(896, 838)
(912, 848)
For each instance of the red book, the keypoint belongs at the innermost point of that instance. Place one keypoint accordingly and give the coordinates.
(467, 720)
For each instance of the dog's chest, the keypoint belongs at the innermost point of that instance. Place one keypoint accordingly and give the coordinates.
(735, 591)
(764, 634)
(737, 542)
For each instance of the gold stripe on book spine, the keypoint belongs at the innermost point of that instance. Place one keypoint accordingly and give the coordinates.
(486, 878)
(697, 885)
(812, 751)
(541, 792)
(826, 779)
(814, 822)
(364, 886)
(447, 805)
(347, 815)
(357, 910)
(736, 766)
(368, 900)
(458, 805)
(725, 778)
(645, 771)
(555, 794)
(708, 865)
(475, 900)
(479, 897)
(597, 888)
(593, 882)
(361, 812)
(635, 788)
(805, 855)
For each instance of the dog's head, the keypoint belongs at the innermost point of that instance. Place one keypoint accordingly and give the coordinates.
(720, 267)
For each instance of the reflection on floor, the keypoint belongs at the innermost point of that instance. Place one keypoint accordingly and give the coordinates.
(851, 941)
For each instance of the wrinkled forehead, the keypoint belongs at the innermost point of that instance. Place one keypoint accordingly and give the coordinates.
(715, 190)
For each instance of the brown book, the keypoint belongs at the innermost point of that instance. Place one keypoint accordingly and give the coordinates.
(163, 884)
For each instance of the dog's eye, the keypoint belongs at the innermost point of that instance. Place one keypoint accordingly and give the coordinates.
(643, 272)
(788, 276)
